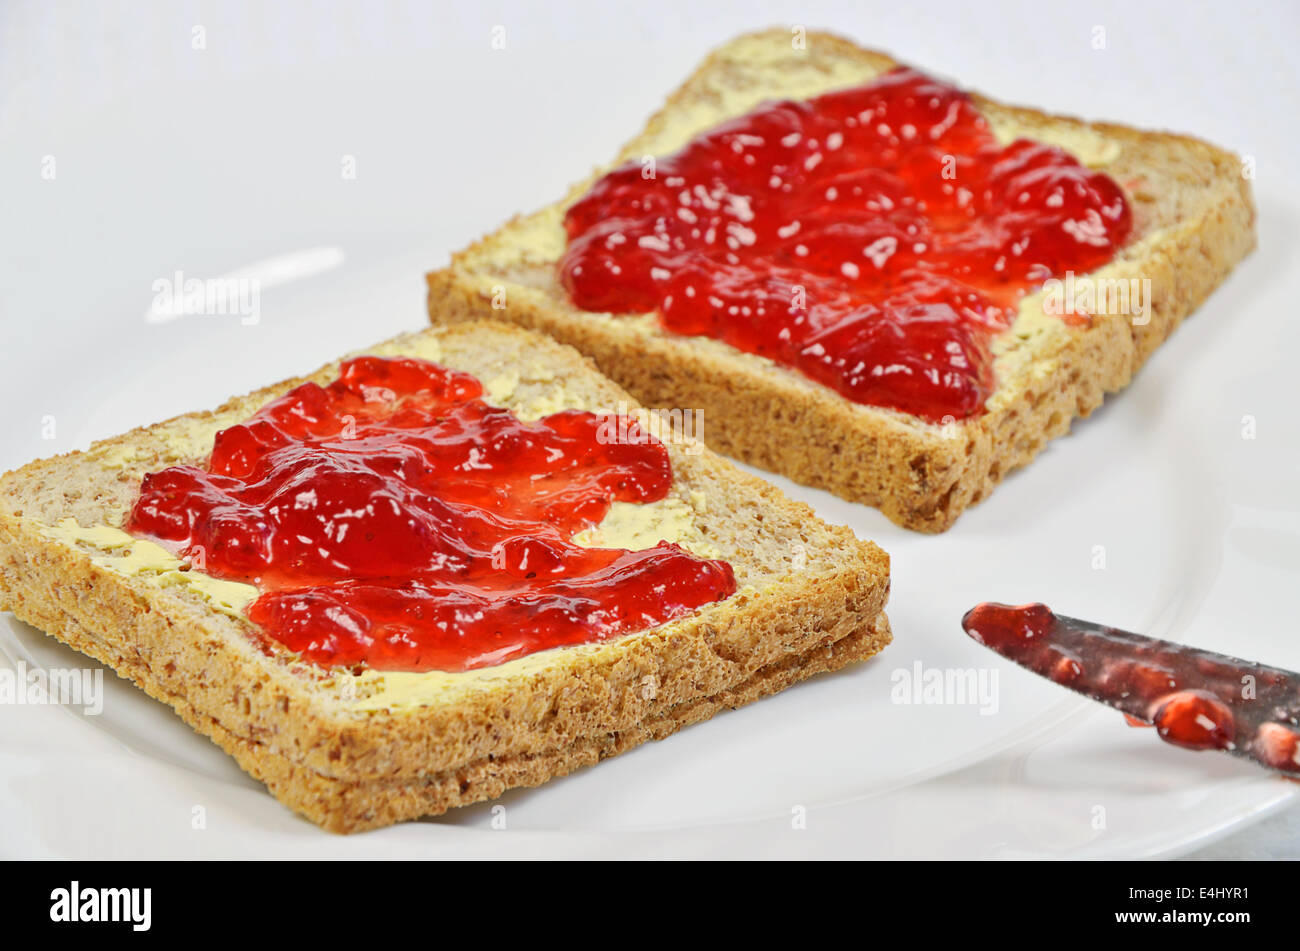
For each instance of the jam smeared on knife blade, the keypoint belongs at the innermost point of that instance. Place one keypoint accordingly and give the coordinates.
(874, 238)
(394, 519)
(1195, 699)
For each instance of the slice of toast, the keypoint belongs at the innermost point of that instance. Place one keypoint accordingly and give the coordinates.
(1193, 221)
(356, 752)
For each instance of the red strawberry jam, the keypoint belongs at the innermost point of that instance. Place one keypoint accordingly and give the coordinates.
(393, 519)
(874, 239)
(1194, 699)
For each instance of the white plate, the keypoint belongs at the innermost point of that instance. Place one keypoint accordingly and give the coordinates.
(1200, 527)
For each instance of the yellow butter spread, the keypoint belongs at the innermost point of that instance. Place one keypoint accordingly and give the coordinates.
(501, 387)
(529, 391)
(181, 440)
(192, 438)
(1090, 148)
(376, 690)
(117, 456)
(800, 77)
(637, 526)
(137, 557)
(421, 346)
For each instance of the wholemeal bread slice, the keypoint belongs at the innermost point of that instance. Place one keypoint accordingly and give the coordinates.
(354, 751)
(1193, 221)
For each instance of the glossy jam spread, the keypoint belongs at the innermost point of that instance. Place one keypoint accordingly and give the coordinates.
(875, 239)
(393, 519)
(1194, 699)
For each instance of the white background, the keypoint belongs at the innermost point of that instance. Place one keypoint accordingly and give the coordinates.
(206, 160)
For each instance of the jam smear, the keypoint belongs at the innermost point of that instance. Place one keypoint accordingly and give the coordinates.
(875, 239)
(393, 519)
(1195, 699)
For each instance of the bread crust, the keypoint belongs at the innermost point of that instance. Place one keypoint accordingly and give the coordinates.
(267, 707)
(345, 806)
(1194, 220)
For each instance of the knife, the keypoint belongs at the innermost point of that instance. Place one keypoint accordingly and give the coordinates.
(1195, 699)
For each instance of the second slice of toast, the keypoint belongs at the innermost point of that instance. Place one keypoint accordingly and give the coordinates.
(353, 751)
(1193, 221)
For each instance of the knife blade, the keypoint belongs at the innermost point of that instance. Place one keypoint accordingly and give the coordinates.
(1196, 699)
